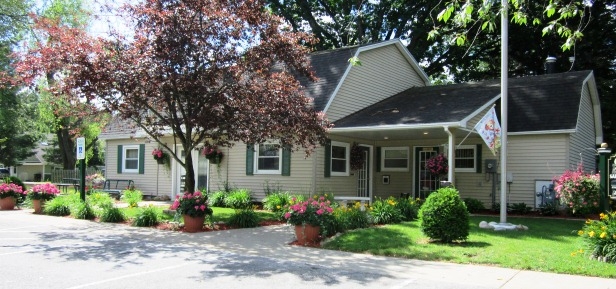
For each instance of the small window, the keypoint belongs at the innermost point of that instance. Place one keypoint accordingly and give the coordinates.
(395, 159)
(130, 159)
(340, 159)
(466, 157)
(267, 159)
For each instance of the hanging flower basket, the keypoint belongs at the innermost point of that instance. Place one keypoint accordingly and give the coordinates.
(161, 157)
(357, 157)
(213, 154)
(437, 165)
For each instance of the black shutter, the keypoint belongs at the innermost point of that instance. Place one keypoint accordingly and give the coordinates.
(478, 158)
(377, 160)
(119, 165)
(286, 161)
(250, 159)
(141, 159)
(328, 159)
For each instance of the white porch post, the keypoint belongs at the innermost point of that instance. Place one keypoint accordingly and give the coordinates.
(451, 153)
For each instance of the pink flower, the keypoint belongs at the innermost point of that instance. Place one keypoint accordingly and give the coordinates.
(320, 212)
(202, 207)
(287, 215)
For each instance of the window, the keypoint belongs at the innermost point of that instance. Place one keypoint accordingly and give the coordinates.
(340, 159)
(130, 161)
(466, 159)
(267, 159)
(395, 159)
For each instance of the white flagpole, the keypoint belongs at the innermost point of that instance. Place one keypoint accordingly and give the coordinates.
(504, 79)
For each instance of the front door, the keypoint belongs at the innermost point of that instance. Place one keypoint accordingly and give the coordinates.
(363, 174)
(425, 182)
(201, 167)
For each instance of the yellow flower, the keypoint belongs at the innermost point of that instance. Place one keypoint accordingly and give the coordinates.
(603, 235)
(573, 254)
(614, 236)
(580, 233)
(581, 251)
(591, 234)
(602, 216)
(278, 207)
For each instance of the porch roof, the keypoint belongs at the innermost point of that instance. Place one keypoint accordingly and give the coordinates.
(536, 103)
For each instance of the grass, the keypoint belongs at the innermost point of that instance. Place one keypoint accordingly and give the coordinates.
(550, 245)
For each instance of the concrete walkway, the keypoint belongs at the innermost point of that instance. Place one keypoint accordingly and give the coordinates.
(272, 243)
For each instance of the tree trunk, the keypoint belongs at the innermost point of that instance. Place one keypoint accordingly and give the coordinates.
(67, 149)
(189, 182)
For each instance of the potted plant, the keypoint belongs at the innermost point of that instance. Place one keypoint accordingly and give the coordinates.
(9, 194)
(193, 207)
(41, 193)
(309, 217)
(213, 154)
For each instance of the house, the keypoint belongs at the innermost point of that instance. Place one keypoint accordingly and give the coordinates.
(390, 120)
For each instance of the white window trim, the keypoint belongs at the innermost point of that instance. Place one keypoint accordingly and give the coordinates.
(124, 149)
(468, 170)
(267, 172)
(348, 159)
(382, 164)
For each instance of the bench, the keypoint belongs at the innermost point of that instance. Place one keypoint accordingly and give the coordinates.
(114, 187)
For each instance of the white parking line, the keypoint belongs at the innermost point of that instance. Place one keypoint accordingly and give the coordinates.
(131, 275)
(19, 252)
(18, 228)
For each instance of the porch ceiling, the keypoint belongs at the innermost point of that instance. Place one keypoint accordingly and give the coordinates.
(402, 133)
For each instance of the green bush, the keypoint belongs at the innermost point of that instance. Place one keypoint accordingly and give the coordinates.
(600, 237)
(276, 201)
(351, 217)
(57, 207)
(112, 215)
(385, 211)
(83, 210)
(548, 209)
(238, 199)
(99, 200)
(147, 217)
(17, 181)
(217, 199)
(409, 208)
(444, 216)
(245, 218)
(132, 197)
(520, 208)
(473, 205)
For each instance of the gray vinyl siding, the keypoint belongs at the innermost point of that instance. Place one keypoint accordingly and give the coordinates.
(534, 157)
(380, 75)
(582, 142)
(232, 171)
(146, 182)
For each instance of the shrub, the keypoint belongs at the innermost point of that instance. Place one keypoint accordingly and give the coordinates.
(350, 218)
(112, 215)
(600, 237)
(444, 216)
(217, 199)
(148, 217)
(385, 211)
(408, 208)
(238, 199)
(520, 208)
(132, 197)
(245, 218)
(474, 205)
(83, 210)
(276, 202)
(548, 209)
(99, 200)
(57, 207)
(578, 191)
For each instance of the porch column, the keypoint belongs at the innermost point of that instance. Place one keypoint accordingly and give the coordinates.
(451, 156)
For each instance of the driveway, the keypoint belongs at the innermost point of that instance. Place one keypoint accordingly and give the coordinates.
(54, 252)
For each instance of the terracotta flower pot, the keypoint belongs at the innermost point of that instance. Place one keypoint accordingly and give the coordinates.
(307, 234)
(193, 224)
(38, 206)
(7, 203)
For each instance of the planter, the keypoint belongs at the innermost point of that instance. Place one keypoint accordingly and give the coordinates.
(193, 224)
(160, 161)
(38, 206)
(7, 203)
(307, 234)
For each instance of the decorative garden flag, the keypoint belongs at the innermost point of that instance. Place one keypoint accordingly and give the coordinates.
(489, 129)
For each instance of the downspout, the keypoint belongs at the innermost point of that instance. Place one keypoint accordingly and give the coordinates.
(451, 156)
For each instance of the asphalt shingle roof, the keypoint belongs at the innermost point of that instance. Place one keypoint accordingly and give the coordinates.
(535, 103)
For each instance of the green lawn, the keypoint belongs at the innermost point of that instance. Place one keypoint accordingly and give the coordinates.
(549, 245)
(220, 214)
